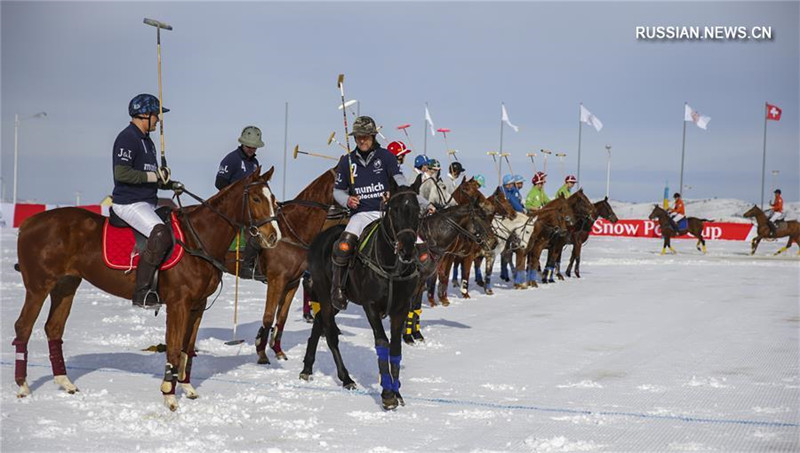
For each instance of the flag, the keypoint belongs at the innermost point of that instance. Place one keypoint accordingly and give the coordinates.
(506, 120)
(429, 121)
(588, 118)
(694, 116)
(773, 112)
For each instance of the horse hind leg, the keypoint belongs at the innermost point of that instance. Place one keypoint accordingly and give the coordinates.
(61, 297)
(283, 314)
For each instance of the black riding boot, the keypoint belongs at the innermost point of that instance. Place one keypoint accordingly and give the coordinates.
(773, 229)
(252, 251)
(158, 244)
(343, 249)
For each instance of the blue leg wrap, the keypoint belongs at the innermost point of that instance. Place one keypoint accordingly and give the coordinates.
(383, 367)
(455, 272)
(533, 275)
(478, 274)
(519, 277)
(487, 282)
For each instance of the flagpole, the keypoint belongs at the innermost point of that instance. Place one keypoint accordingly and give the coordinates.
(500, 168)
(425, 141)
(683, 148)
(579, 143)
(285, 144)
(764, 157)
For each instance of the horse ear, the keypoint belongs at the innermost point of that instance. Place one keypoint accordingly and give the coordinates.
(417, 183)
(268, 175)
(606, 198)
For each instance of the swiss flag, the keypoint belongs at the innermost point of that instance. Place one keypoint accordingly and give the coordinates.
(773, 112)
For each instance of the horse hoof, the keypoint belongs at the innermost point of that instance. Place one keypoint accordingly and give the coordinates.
(489, 292)
(445, 302)
(408, 339)
(479, 283)
(63, 381)
(350, 386)
(533, 284)
(262, 358)
(280, 355)
(400, 399)
(189, 390)
(455, 284)
(465, 296)
(389, 403)
(560, 277)
(23, 390)
(171, 402)
(306, 376)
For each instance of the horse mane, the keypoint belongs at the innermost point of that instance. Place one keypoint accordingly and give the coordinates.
(319, 186)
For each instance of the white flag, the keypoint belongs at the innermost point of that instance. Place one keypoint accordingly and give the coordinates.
(694, 116)
(588, 118)
(506, 120)
(429, 120)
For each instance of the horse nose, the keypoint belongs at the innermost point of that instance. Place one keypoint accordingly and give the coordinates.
(272, 240)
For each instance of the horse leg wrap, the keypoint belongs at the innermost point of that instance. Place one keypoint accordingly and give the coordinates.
(170, 378)
(417, 317)
(261, 340)
(21, 363)
(487, 282)
(275, 337)
(394, 363)
(533, 275)
(478, 275)
(57, 357)
(410, 322)
(383, 365)
(185, 370)
(519, 278)
(464, 286)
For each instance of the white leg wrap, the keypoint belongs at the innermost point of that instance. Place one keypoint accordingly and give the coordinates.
(64, 382)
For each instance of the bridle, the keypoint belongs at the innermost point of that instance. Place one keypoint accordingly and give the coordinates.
(393, 235)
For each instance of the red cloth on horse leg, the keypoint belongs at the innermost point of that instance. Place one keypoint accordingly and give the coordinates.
(57, 357)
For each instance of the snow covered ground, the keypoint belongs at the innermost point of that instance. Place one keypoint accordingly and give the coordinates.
(644, 353)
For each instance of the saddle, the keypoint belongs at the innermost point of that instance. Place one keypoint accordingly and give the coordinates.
(121, 243)
(683, 224)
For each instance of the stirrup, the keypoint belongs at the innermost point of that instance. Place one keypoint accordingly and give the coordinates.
(150, 300)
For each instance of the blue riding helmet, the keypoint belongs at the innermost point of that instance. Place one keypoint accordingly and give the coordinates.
(508, 179)
(481, 180)
(144, 104)
(420, 160)
(519, 178)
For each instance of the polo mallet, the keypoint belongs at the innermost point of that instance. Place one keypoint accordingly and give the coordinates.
(403, 128)
(340, 84)
(379, 133)
(234, 341)
(333, 138)
(508, 162)
(546, 153)
(494, 155)
(159, 25)
(531, 155)
(349, 103)
(453, 152)
(444, 132)
(561, 157)
(324, 156)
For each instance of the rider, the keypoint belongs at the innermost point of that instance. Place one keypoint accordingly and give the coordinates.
(434, 189)
(566, 189)
(371, 167)
(137, 178)
(537, 197)
(519, 181)
(236, 165)
(399, 150)
(677, 212)
(512, 193)
(481, 180)
(455, 170)
(421, 166)
(775, 213)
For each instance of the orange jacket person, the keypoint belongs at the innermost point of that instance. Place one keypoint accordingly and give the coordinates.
(678, 211)
(775, 213)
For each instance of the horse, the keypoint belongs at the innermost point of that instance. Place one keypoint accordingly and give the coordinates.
(789, 228)
(695, 228)
(300, 220)
(58, 249)
(552, 219)
(584, 213)
(382, 279)
(603, 209)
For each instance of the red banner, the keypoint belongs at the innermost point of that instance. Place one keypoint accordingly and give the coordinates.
(14, 214)
(649, 229)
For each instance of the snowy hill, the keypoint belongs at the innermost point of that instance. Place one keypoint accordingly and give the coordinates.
(717, 209)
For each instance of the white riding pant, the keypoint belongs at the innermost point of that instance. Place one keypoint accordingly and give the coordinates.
(360, 220)
(676, 217)
(141, 216)
(775, 216)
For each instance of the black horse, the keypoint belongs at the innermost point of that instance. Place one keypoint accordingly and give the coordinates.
(382, 279)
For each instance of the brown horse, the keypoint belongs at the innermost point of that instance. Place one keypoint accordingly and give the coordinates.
(789, 228)
(300, 220)
(584, 213)
(603, 209)
(553, 219)
(58, 249)
(667, 231)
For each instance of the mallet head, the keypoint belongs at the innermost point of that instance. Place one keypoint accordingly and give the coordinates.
(158, 24)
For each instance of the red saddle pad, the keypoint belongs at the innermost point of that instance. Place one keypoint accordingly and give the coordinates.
(118, 245)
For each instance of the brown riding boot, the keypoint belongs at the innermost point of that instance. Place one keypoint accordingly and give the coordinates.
(252, 251)
(343, 250)
(158, 244)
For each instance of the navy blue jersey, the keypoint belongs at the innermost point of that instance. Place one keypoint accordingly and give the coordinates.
(371, 177)
(235, 166)
(134, 149)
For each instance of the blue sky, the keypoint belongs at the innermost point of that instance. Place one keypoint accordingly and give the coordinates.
(227, 65)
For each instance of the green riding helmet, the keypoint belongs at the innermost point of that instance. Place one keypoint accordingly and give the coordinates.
(251, 136)
(434, 164)
(364, 125)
